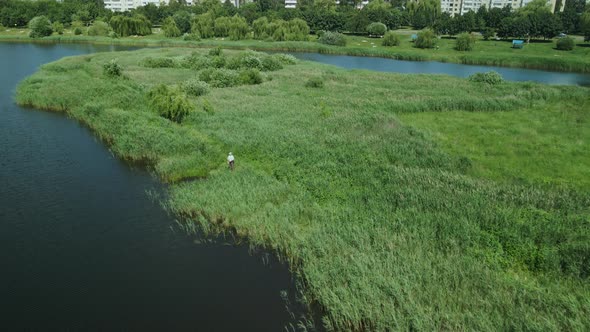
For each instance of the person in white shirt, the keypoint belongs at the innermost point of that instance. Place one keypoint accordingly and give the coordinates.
(230, 161)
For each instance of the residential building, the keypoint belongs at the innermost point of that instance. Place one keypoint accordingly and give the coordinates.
(460, 7)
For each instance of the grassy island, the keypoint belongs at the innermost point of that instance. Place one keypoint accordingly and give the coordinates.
(402, 202)
(536, 55)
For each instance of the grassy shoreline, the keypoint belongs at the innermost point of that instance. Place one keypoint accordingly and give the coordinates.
(541, 56)
(384, 228)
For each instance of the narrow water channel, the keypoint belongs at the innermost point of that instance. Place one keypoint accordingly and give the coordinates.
(82, 247)
(453, 69)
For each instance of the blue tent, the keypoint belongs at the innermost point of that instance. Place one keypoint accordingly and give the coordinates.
(517, 43)
(414, 37)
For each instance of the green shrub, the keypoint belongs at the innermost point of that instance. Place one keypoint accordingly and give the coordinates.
(40, 27)
(271, 63)
(464, 42)
(171, 104)
(218, 61)
(170, 28)
(113, 35)
(112, 69)
(565, 44)
(219, 77)
(203, 25)
(390, 39)
(376, 29)
(217, 51)
(332, 38)
(58, 27)
(488, 33)
(315, 82)
(77, 31)
(425, 39)
(99, 28)
(191, 37)
(250, 77)
(297, 30)
(2, 28)
(490, 77)
(150, 62)
(221, 26)
(251, 61)
(196, 61)
(195, 87)
(286, 59)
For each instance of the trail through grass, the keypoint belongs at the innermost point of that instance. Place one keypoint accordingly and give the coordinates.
(385, 226)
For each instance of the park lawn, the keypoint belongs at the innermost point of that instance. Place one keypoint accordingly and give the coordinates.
(536, 55)
(545, 145)
(384, 228)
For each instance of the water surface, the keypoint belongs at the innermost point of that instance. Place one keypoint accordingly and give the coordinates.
(454, 69)
(82, 247)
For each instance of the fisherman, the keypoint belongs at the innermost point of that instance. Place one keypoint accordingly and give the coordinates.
(230, 161)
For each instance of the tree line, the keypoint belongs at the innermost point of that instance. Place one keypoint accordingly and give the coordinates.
(533, 21)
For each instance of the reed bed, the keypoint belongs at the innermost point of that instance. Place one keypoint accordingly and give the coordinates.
(384, 227)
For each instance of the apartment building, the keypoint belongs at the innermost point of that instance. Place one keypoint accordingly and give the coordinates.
(460, 7)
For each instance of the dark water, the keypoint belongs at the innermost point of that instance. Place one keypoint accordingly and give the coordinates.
(432, 67)
(82, 247)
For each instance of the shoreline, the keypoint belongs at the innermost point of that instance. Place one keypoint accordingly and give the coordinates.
(523, 61)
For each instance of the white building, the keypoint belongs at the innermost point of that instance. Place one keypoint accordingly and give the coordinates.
(460, 7)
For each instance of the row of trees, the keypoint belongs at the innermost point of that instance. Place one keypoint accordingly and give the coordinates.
(533, 21)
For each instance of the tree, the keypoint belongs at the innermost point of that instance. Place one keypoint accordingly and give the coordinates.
(170, 28)
(40, 27)
(128, 26)
(259, 27)
(238, 28)
(171, 104)
(182, 19)
(202, 25)
(585, 24)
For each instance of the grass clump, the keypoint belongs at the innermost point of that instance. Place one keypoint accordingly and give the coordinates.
(388, 224)
(315, 82)
(390, 39)
(425, 39)
(112, 69)
(332, 38)
(220, 77)
(490, 77)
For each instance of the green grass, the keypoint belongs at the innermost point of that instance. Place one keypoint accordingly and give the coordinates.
(383, 225)
(536, 55)
(546, 145)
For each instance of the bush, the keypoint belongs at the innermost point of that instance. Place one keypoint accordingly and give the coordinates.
(376, 29)
(297, 30)
(150, 62)
(488, 33)
(2, 28)
(491, 77)
(251, 61)
(390, 39)
(112, 69)
(565, 44)
(315, 82)
(218, 51)
(191, 37)
(221, 26)
(40, 27)
(259, 27)
(425, 39)
(250, 77)
(99, 28)
(286, 59)
(332, 38)
(271, 63)
(464, 42)
(238, 28)
(219, 77)
(171, 104)
(195, 87)
(113, 35)
(170, 28)
(196, 61)
(58, 27)
(218, 61)
(77, 31)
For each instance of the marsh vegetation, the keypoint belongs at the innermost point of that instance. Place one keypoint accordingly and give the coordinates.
(388, 194)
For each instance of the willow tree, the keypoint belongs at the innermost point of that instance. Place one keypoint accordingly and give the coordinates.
(423, 12)
(128, 26)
